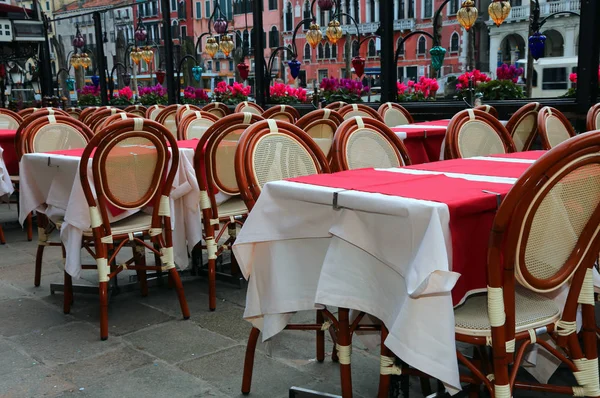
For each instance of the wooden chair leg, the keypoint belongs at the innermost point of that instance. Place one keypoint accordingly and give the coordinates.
(180, 294)
(2, 239)
(212, 284)
(38, 265)
(103, 289)
(139, 254)
(384, 380)
(320, 338)
(29, 227)
(68, 293)
(344, 351)
(249, 361)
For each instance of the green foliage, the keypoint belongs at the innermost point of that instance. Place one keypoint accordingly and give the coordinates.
(121, 101)
(499, 90)
(88, 100)
(153, 99)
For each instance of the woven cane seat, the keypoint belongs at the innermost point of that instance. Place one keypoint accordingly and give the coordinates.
(531, 311)
(556, 130)
(477, 138)
(134, 223)
(369, 148)
(233, 207)
(394, 114)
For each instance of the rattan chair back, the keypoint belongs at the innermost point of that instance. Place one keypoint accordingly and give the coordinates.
(94, 120)
(273, 150)
(166, 117)
(195, 124)
(336, 106)
(352, 110)
(55, 133)
(476, 133)
(19, 141)
(319, 114)
(218, 109)
(138, 110)
(522, 126)
(487, 109)
(593, 118)
(75, 113)
(365, 142)
(394, 115)
(114, 118)
(553, 127)
(153, 111)
(286, 113)
(87, 112)
(9, 120)
(185, 110)
(249, 107)
(322, 131)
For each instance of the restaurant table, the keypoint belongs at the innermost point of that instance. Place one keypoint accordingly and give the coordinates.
(403, 244)
(50, 184)
(7, 142)
(423, 140)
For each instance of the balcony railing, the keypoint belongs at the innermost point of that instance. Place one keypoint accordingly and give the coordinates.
(371, 27)
(521, 13)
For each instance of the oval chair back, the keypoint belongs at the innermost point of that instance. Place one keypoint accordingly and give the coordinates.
(476, 133)
(94, 120)
(336, 106)
(487, 109)
(249, 107)
(394, 115)
(218, 109)
(19, 141)
(318, 114)
(553, 127)
(75, 113)
(87, 112)
(365, 142)
(9, 120)
(114, 118)
(593, 118)
(153, 111)
(522, 126)
(138, 110)
(55, 133)
(361, 110)
(195, 124)
(322, 131)
(273, 150)
(185, 110)
(282, 112)
(166, 117)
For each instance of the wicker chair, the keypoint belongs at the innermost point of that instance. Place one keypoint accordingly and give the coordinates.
(365, 142)
(153, 111)
(214, 164)
(319, 114)
(249, 107)
(522, 126)
(87, 112)
(130, 171)
(543, 242)
(336, 106)
(487, 109)
(185, 110)
(553, 127)
(114, 118)
(322, 132)
(476, 133)
(255, 165)
(166, 117)
(593, 118)
(194, 124)
(282, 112)
(93, 121)
(19, 141)
(9, 120)
(394, 115)
(138, 110)
(218, 109)
(28, 111)
(46, 134)
(75, 113)
(361, 110)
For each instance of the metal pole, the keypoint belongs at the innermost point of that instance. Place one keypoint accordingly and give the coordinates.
(100, 60)
(168, 44)
(388, 64)
(587, 66)
(45, 67)
(259, 60)
(534, 15)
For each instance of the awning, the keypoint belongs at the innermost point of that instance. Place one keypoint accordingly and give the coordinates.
(372, 71)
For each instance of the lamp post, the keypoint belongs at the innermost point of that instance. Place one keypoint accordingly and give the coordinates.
(195, 73)
(126, 78)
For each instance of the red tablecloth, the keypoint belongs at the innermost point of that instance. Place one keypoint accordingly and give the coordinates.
(423, 140)
(7, 142)
(472, 205)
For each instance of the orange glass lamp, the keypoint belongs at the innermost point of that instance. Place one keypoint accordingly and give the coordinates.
(211, 46)
(499, 10)
(226, 45)
(314, 35)
(467, 15)
(334, 31)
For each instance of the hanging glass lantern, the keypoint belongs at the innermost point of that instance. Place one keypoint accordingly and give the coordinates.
(70, 83)
(79, 40)
(140, 33)
(499, 10)
(160, 76)
(197, 73)
(226, 45)
(211, 47)
(85, 60)
(244, 69)
(95, 80)
(325, 5)
(334, 31)
(537, 45)
(314, 35)
(126, 78)
(136, 55)
(358, 63)
(147, 54)
(294, 65)
(220, 26)
(437, 57)
(467, 15)
(76, 61)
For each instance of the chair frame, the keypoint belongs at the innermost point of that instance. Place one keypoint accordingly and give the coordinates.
(154, 108)
(107, 245)
(543, 116)
(319, 114)
(451, 149)
(11, 114)
(86, 112)
(217, 107)
(359, 108)
(590, 120)
(345, 130)
(336, 106)
(36, 125)
(181, 110)
(19, 142)
(288, 111)
(99, 116)
(526, 110)
(333, 125)
(185, 122)
(137, 108)
(240, 107)
(383, 108)
(208, 182)
(112, 118)
(488, 109)
(74, 111)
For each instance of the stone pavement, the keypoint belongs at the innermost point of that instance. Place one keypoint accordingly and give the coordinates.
(151, 351)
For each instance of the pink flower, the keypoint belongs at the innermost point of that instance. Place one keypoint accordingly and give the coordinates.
(573, 77)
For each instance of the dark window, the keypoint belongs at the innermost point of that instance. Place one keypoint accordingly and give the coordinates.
(372, 9)
(411, 8)
(427, 8)
(355, 49)
(454, 43)
(334, 51)
(230, 65)
(401, 47)
(372, 51)
(252, 39)
(238, 39)
(175, 30)
(183, 32)
(272, 4)
(288, 18)
(554, 79)
(173, 5)
(516, 3)
(181, 11)
(198, 10)
(347, 11)
(454, 6)
(322, 17)
(306, 14)
(264, 39)
(422, 47)
(307, 52)
(246, 39)
(411, 72)
(320, 51)
(217, 66)
(274, 37)
(401, 10)
(207, 9)
(327, 51)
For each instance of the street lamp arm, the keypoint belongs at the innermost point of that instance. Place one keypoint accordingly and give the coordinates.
(111, 82)
(436, 20)
(543, 21)
(312, 19)
(413, 33)
(189, 56)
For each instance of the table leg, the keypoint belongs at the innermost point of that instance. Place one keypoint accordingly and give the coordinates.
(344, 347)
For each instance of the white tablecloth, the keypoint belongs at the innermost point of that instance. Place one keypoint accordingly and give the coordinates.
(6, 186)
(50, 184)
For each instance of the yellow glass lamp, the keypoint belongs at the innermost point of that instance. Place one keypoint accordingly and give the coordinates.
(85, 60)
(226, 45)
(147, 54)
(334, 31)
(211, 46)
(499, 10)
(76, 61)
(314, 35)
(136, 55)
(467, 15)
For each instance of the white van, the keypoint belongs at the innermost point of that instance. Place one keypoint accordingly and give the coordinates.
(551, 75)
